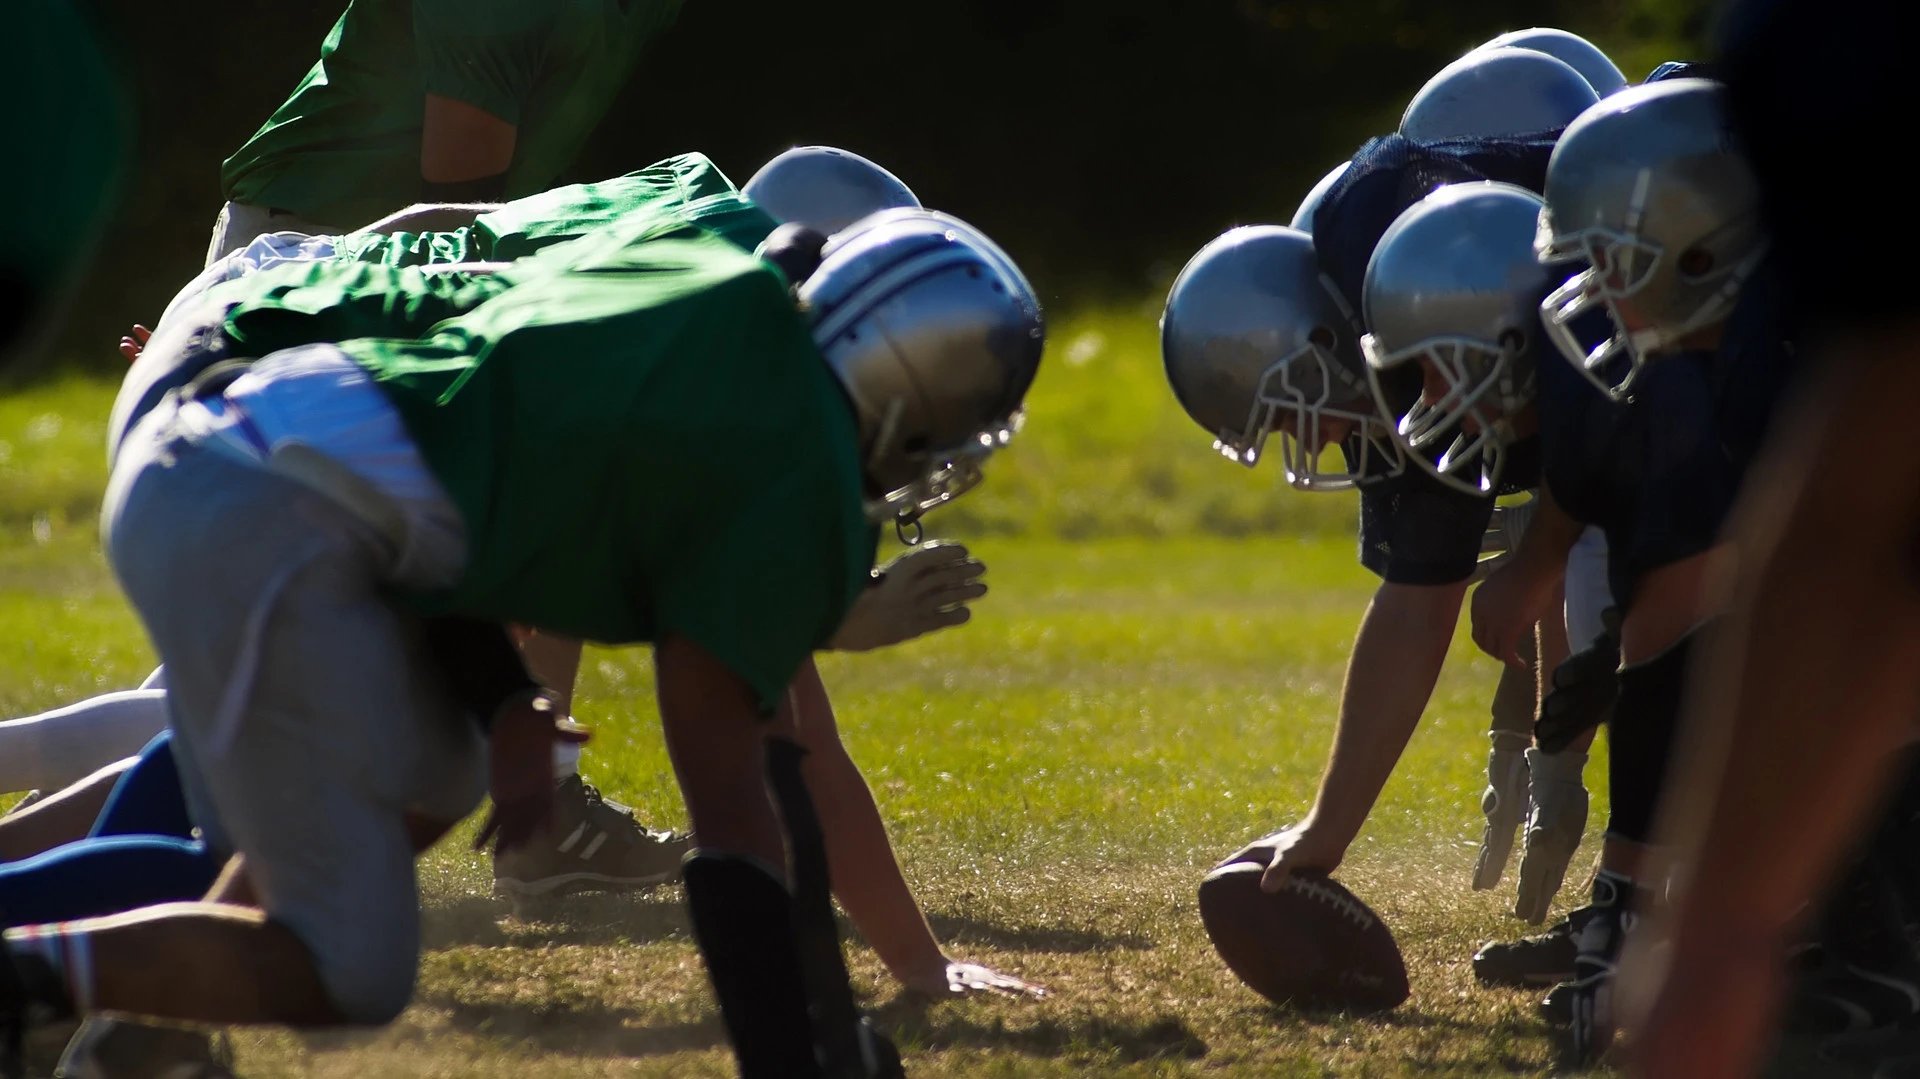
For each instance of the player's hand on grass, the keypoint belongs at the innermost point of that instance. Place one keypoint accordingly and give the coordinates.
(521, 745)
(135, 342)
(963, 979)
(925, 589)
(1290, 850)
(1505, 608)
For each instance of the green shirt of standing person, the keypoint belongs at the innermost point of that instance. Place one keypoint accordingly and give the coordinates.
(433, 100)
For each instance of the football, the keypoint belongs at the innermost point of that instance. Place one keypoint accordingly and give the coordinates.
(1313, 944)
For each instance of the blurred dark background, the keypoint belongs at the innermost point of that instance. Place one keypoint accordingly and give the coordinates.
(1101, 141)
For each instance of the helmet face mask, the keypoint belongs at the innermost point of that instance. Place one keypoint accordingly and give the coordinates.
(1299, 387)
(1472, 418)
(1453, 291)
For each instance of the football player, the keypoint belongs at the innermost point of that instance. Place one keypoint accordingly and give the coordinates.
(433, 101)
(1809, 691)
(1648, 190)
(1260, 339)
(598, 844)
(396, 515)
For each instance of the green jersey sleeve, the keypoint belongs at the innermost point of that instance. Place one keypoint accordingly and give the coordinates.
(487, 53)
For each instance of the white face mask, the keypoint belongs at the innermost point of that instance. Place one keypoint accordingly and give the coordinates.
(1483, 386)
(1372, 453)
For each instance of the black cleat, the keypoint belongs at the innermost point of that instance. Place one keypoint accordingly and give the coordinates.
(1531, 962)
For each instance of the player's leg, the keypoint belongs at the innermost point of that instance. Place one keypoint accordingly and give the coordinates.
(141, 851)
(736, 881)
(595, 844)
(65, 745)
(1504, 802)
(61, 817)
(1557, 786)
(309, 774)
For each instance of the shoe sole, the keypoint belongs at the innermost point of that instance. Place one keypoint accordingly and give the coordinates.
(569, 883)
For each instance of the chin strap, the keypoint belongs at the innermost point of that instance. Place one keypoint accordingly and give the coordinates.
(849, 1047)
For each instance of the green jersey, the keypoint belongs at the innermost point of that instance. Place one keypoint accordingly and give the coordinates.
(689, 186)
(643, 441)
(345, 148)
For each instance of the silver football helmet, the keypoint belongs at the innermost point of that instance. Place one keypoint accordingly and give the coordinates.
(825, 189)
(1256, 341)
(1650, 191)
(1570, 49)
(1303, 217)
(1453, 286)
(1492, 92)
(935, 335)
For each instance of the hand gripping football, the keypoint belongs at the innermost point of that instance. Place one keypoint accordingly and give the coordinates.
(1311, 945)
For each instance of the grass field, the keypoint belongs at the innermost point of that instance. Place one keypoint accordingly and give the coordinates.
(1151, 683)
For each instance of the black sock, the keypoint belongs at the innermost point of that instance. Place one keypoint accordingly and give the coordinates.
(743, 920)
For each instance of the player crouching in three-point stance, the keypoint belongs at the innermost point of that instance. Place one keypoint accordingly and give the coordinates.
(638, 440)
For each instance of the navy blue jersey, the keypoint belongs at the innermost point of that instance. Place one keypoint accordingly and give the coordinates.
(1391, 173)
(1812, 85)
(1416, 530)
(1413, 528)
(1659, 475)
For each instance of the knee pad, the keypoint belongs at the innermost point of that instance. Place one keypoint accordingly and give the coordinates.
(1645, 717)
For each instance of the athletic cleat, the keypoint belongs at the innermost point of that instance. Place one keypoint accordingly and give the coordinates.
(1556, 1008)
(113, 1049)
(1530, 962)
(595, 846)
(1590, 992)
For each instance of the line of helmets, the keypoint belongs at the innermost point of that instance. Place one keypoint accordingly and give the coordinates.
(1533, 207)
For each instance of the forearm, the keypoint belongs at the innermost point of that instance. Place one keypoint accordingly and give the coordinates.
(1396, 660)
(1810, 689)
(866, 876)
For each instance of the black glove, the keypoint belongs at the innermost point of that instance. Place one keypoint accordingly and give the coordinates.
(1585, 685)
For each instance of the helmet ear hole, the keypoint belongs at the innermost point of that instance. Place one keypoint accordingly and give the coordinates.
(1696, 263)
(1323, 337)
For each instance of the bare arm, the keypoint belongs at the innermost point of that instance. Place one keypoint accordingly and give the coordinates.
(1396, 660)
(1806, 692)
(1519, 594)
(866, 875)
(460, 142)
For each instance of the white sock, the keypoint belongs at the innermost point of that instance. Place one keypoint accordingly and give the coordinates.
(566, 760)
(53, 749)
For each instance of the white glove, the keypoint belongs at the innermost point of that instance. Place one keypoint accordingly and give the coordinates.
(925, 589)
(1505, 804)
(1555, 824)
